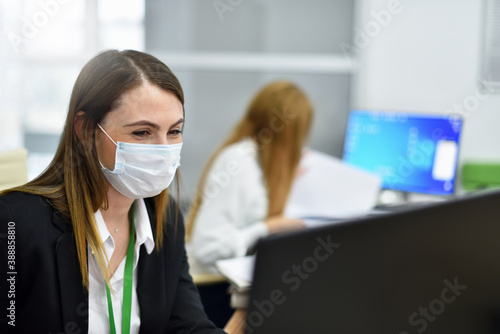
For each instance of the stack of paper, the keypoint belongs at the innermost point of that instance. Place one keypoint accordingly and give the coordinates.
(330, 189)
(238, 271)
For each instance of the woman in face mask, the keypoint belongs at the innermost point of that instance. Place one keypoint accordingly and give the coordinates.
(94, 243)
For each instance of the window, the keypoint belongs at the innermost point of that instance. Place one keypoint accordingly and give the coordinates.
(43, 48)
(491, 58)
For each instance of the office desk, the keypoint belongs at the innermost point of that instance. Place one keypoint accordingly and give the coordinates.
(206, 279)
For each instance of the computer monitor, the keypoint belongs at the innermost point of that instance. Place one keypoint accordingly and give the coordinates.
(410, 152)
(435, 269)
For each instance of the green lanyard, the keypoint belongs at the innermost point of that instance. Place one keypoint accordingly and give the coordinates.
(127, 285)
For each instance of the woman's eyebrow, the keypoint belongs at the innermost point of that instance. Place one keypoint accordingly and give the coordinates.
(154, 125)
(146, 123)
(180, 121)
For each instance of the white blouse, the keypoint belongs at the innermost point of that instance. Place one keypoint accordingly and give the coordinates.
(234, 208)
(98, 303)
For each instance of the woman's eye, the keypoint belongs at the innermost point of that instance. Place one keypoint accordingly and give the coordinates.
(141, 133)
(175, 132)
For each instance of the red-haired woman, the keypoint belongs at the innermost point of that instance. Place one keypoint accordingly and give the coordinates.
(245, 185)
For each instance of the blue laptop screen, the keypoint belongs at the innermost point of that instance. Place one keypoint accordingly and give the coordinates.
(410, 152)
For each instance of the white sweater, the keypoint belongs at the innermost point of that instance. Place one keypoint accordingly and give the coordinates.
(231, 217)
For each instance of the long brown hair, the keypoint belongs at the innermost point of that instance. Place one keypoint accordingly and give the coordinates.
(278, 120)
(73, 183)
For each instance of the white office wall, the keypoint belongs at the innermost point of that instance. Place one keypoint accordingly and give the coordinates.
(216, 99)
(314, 26)
(428, 58)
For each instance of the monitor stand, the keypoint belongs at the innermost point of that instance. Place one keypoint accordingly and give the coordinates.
(395, 200)
(393, 197)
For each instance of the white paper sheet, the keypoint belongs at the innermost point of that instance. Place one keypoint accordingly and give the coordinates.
(238, 271)
(328, 188)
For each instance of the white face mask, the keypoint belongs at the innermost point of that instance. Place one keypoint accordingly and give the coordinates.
(142, 170)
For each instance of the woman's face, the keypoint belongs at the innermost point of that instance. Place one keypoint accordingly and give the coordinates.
(144, 115)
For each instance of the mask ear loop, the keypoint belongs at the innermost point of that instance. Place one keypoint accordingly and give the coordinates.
(100, 127)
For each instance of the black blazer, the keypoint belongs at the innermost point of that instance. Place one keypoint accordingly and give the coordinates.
(47, 288)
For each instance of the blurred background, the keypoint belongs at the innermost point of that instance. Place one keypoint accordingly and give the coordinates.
(421, 56)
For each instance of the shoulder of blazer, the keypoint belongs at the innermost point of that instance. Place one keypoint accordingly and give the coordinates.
(31, 211)
(46, 250)
(19, 199)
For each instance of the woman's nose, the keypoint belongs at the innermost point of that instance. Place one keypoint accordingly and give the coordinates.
(164, 141)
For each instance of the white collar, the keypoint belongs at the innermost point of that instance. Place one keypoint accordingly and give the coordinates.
(143, 232)
(142, 224)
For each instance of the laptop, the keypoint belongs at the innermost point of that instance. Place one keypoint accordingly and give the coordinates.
(433, 269)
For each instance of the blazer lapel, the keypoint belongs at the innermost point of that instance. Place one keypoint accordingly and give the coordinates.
(150, 284)
(74, 297)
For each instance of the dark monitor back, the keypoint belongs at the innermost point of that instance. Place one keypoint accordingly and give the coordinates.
(434, 270)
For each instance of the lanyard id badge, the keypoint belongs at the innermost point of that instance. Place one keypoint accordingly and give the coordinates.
(127, 285)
